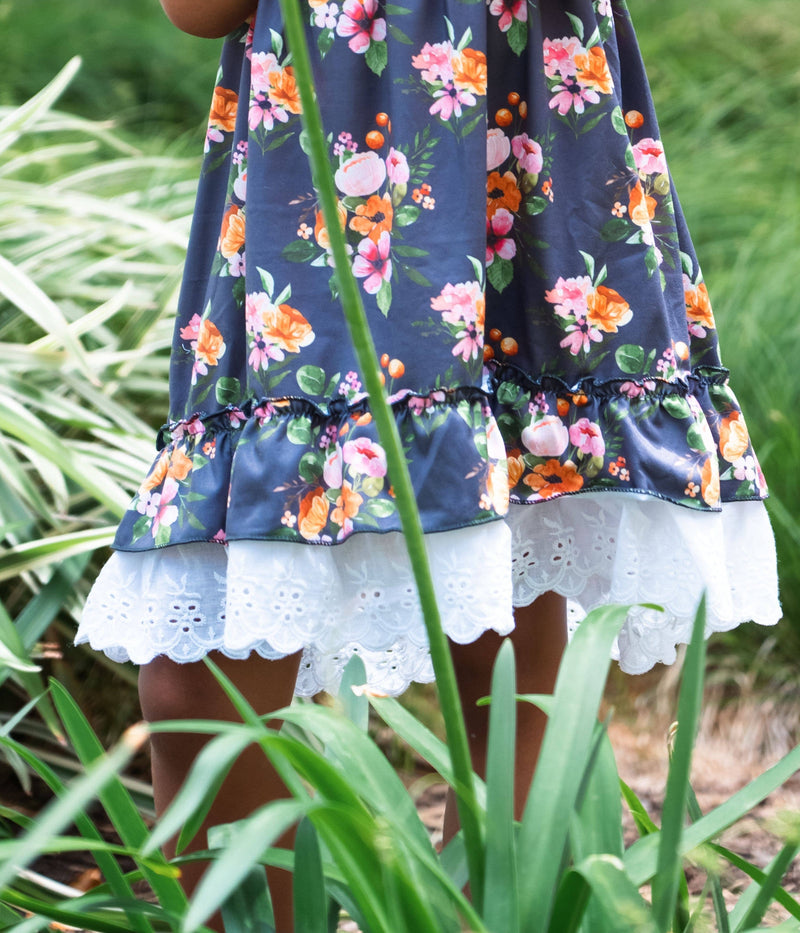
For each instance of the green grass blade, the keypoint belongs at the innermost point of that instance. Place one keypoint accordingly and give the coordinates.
(69, 912)
(644, 824)
(422, 741)
(191, 804)
(782, 896)
(116, 800)
(641, 858)
(249, 907)
(570, 904)
(666, 883)
(621, 906)
(32, 110)
(32, 555)
(248, 841)
(501, 907)
(713, 883)
(355, 705)
(93, 839)
(562, 763)
(768, 888)
(60, 812)
(310, 898)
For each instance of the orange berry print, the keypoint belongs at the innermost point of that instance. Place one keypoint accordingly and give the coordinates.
(563, 406)
(384, 360)
(513, 98)
(523, 109)
(382, 119)
(495, 334)
(503, 117)
(634, 119)
(488, 354)
(396, 369)
(509, 346)
(375, 139)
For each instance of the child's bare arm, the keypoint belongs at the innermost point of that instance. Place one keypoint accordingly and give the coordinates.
(208, 18)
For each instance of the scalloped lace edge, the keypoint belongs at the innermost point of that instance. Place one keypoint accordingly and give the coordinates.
(277, 598)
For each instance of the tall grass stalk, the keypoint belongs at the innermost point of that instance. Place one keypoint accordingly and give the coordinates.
(390, 440)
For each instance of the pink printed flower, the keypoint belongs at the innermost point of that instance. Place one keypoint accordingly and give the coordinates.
(497, 241)
(361, 175)
(559, 56)
(462, 302)
(435, 62)
(570, 94)
(325, 15)
(358, 20)
(449, 100)
(508, 11)
(220, 537)
(365, 457)
(263, 64)
(373, 263)
(587, 437)
(580, 336)
(528, 153)
(192, 330)
(649, 157)
(159, 506)
(332, 470)
(634, 390)
(497, 148)
(547, 437)
(570, 295)
(397, 167)
(470, 342)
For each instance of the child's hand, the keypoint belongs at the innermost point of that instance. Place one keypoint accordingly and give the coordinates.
(208, 18)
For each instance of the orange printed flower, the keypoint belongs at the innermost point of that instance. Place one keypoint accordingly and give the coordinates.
(231, 237)
(516, 467)
(642, 208)
(175, 464)
(374, 217)
(469, 71)
(321, 231)
(223, 109)
(497, 488)
(709, 481)
(210, 345)
(502, 191)
(698, 305)
(157, 475)
(283, 90)
(733, 437)
(554, 478)
(180, 466)
(608, 310)
(313, 514)
(593, 70)
(287, 328)
(347, 505)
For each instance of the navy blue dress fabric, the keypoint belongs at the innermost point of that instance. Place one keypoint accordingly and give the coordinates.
(542, 322)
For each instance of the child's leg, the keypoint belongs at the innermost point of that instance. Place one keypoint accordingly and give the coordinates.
(189, 691)
(539, 640)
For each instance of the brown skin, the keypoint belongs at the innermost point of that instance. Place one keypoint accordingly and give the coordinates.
(209, 19)
(188, 691)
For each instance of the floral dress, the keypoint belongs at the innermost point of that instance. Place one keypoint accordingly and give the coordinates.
(545, 335)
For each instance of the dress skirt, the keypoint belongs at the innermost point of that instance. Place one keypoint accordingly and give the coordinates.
(546, 338)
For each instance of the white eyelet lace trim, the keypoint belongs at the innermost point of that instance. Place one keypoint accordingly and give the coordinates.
(359, 597)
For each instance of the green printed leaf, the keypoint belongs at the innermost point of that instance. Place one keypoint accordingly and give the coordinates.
(311, 379)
